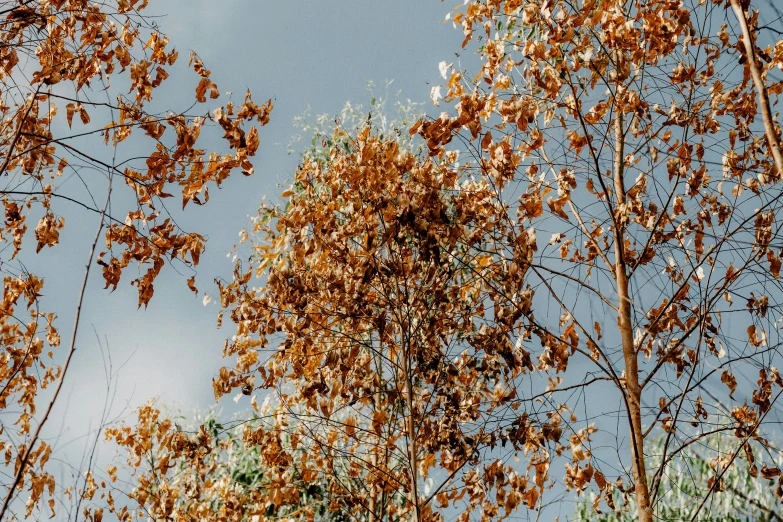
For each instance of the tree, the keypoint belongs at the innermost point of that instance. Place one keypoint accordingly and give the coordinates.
(639, 137)
(644, 223)
(66, 57)
(394, 359)
(214, 467)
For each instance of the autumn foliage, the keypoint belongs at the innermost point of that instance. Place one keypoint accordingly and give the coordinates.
(573, 285)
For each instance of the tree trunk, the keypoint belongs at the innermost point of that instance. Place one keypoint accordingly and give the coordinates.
(761, 89)
(373, 502)
(411, 433)
(633, 389)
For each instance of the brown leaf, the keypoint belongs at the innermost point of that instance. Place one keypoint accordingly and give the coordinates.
(70, 110)
(486, 141)
(728, 379)
(83, 115)
(192, 284)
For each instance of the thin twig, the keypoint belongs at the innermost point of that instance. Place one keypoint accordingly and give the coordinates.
(71, 349)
